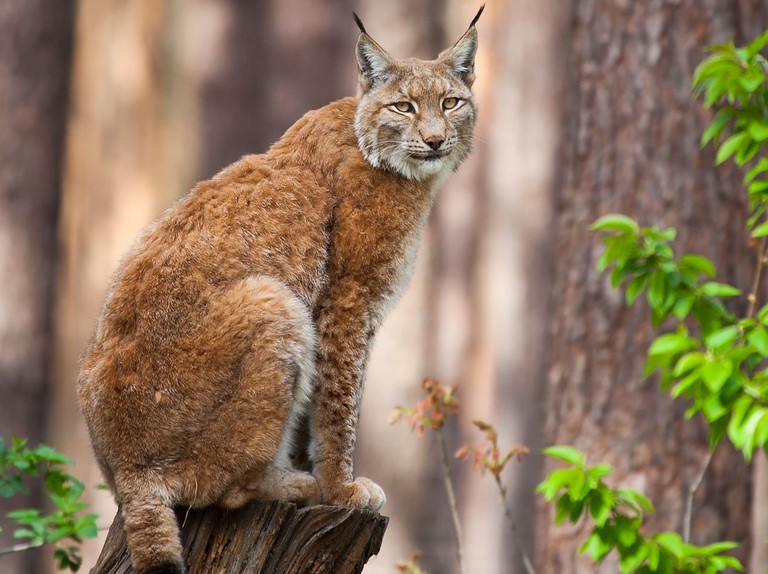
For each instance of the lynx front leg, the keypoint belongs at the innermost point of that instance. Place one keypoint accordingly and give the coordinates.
(345, 333)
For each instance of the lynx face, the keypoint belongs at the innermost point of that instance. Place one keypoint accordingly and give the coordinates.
(416, 117)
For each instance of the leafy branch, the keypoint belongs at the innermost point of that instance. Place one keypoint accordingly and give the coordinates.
(712, 358)
(432, 412)
(66, 527)
(617, 514)
(488, 458)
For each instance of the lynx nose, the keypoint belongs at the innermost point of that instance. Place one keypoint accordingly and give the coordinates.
(434, 141)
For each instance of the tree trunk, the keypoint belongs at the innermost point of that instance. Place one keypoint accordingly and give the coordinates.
(264, 537)
(631, 145)
(35, 45)
(267, 79)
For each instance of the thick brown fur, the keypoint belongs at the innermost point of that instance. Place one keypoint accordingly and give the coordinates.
(253, 303)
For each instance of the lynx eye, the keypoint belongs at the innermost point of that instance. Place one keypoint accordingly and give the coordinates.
(404, 107)
(450, 103)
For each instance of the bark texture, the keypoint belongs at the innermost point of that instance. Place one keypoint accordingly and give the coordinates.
(35, 46)
(264, 537)
(631, 145)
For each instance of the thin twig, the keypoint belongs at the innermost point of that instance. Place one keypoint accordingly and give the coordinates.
(691, 492)
(752, 297)
(19, 548)
(515, 535)
(451, 499)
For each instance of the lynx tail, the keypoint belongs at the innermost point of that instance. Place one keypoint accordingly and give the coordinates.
(153, 536)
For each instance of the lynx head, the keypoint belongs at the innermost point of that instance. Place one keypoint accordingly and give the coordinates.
(415, 117)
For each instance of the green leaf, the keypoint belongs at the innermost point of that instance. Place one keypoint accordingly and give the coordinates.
(761, 230)
(761, 433)
(760, 167)
(758, 129)
(754, 47)
(757, 190)
(715, 90)
(86, 527)
(24, 533)
(657, 290)
(722, 337)
(719, 290)
(699, 263)
(717, 430)
(22, 464)
(635, 288)
(683, 306)
(713, 409)
(7, 488)
(25, 515)
(671, 542)
(653, 557)
(49, 454)
(636, 499)
(719, 547)
(577, 509)
(633, 557)
(557, 480)
(600, 511)
(617, 275)
(595, 546)
(619, 249)
(715, 373)
(716, 126)
(685, 384)
(747, 152)
(671, 343)
(758, 338)
(567, 454)
(626, 532)
(743, 436)
(721, 563)
(688, 362)
(18, 443)
(730, 146)
(616, 222)
(599, 471)
(751, 83)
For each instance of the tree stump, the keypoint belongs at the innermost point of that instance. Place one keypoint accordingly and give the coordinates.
(263, 537)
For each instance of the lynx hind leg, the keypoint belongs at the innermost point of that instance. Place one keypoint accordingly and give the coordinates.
(254, 426)
(274, 483)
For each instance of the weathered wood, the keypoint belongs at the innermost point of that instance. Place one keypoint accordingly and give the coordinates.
(264, 537)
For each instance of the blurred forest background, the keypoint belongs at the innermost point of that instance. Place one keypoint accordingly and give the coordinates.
(111, 109)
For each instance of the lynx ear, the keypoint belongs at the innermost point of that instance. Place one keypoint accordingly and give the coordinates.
(373, 62)
(461, 57)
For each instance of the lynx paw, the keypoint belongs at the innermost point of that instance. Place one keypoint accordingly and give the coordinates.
(362, 493)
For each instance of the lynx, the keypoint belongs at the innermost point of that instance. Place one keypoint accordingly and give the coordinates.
(228, 360)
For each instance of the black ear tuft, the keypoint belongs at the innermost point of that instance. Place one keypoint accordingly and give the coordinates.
(359, 22)
(477, 16)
